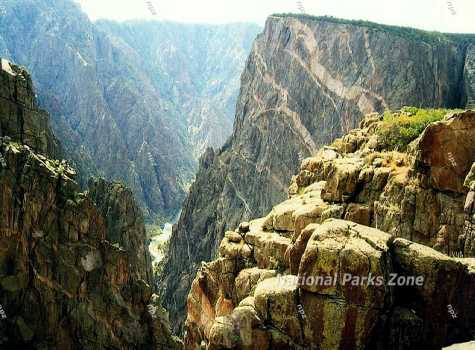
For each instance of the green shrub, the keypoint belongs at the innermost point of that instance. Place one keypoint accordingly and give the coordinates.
(397, 130)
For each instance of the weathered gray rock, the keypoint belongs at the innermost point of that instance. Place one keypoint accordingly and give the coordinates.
(125, 224)
(21, 118)
(469, 77)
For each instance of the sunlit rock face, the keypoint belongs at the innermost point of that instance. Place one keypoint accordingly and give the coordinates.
(355, 288)
(372, 250)
(307, 81)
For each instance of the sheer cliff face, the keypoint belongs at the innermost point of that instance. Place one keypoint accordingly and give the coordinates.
(69, 279)
(198, 66)
(110, 123)
(22, 120)
(306, 82)
(469, 77)
(114, 102)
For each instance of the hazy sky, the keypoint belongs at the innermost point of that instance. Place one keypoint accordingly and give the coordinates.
(441, 15)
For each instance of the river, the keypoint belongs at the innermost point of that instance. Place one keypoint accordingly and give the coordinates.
(158, 243)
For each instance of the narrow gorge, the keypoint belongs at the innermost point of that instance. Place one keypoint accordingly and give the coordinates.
(137, 101)
(308, 184)
(75, 271)
(307, 81)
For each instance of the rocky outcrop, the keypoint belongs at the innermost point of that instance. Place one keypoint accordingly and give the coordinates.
(64, 283)
(307, 81)
(125, 224)
(130, 102)
(22, 120)
(468, 237)
(421, 194)
(444, 162)
(313, 274)
(338, 291)
(309, 275)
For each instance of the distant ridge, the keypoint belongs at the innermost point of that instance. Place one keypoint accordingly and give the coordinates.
(407, 32)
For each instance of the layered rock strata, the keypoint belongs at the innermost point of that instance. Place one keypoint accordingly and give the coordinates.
(307, 81)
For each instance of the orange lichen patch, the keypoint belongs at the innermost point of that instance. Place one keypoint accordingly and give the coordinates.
(200, 310)
(224, 306)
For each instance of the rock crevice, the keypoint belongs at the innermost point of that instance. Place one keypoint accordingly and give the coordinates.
(74, 266)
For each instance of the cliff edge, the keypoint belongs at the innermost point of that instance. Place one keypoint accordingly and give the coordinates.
(319, 272)
(68, 278)
(307, 81)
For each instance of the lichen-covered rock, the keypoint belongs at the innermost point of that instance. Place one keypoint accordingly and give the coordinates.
(248, 279)
(343, 291)
(308, 81)
(342, 180)
(401, 193)
(348, 285)
(336, 249)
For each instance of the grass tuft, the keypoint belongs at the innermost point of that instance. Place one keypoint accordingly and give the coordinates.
(398, 130)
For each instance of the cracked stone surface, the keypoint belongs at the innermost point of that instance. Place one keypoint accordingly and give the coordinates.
(306, 83)
(275, 308)
(68, 278)
(332, 226)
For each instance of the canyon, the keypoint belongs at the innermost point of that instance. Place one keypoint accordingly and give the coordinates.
(130, 101)
(75, 271)
(344, 155)
(307, 81)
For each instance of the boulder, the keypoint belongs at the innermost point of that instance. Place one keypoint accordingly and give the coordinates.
(342, 181)
(444, 161)
(247, 280)
(338, 249)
